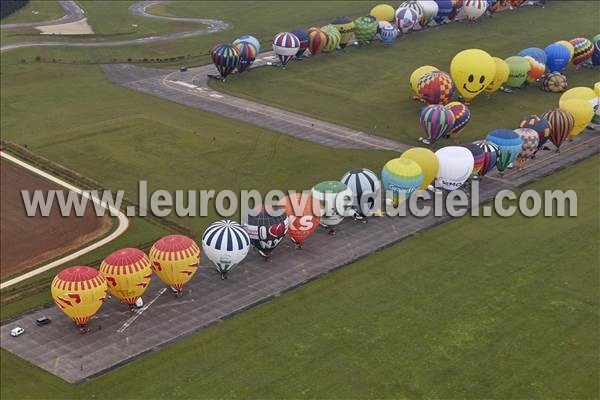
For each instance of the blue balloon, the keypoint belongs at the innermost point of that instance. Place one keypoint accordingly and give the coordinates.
(250, 39)
(557, 57)
(596, 54)
(445, 8)
(302, 35)
(388, 34)
(538, 55)
(507, 140)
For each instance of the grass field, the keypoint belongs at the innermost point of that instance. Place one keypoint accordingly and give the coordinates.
(34, 11)
(444, 314)
(367, 88)
(260, 18)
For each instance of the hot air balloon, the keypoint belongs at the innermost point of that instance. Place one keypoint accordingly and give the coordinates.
(406, 19)
(581, 93)
(537, 62)
(317, 40)
(428, 162)
(285, 46)
(79, 292)
(472, 71)
(478, 157)
(490, 152)
(436, 121)
(557, 57)
(302, 36)
(345, 26)
(127, 273)
(416, 7)
(509, 146)
(334, 37)
(430, 10)
(417, 74)
(462, 116)
(383, 12)
(596, 53)
(529, 144)
(365, 29)
(365, 187)
(456, 166)
(582, 113)
(401, 177)
(249, 39)
(266, 226)
(226, 244)
(501, 76)
(596, 118)
(584, 49)
(561, 124)
(226, 58)
(569, 47)
(445, 8)
(435, 87)
(247, 55)
(554, 82)
(474, 9)
(540, 126)
(175, 260)
(519, 69)
(336, 201)
(388, 34)
(303, 215)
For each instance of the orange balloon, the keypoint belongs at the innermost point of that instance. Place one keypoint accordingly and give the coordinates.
(303, 221)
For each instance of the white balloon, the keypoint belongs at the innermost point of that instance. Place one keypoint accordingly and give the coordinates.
(474, 8)
(226, 244)
(430, 9)
(455, 166)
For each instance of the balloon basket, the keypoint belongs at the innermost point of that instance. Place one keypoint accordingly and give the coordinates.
(331, 232)
(216, 77)
(84, 330)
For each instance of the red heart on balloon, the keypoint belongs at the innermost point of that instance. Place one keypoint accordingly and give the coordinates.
(277, 230)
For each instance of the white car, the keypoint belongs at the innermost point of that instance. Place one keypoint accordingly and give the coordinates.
(18, 331)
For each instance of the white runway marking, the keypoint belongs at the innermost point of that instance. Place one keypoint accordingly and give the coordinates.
(139, 313)
(189, 85)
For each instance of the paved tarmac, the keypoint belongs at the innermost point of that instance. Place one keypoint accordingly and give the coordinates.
(74, 13)
(191, 88)
(119, 336)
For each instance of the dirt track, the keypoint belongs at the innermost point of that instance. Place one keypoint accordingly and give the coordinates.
(26, 241)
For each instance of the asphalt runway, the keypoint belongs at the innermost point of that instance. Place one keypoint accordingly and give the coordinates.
(118, 336)
(191, 88)
(72, 13)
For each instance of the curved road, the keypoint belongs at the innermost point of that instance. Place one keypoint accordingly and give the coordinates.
(75, 13)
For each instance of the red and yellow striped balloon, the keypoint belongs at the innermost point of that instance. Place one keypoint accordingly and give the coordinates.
(561, 124)
(79, 292)
(127, 273)
(175, 259)
(317, 40)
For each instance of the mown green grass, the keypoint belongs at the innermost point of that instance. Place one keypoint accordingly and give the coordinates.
(46, 10)
(118, 136)
(476, 308)
(262, 19)
(367, 88)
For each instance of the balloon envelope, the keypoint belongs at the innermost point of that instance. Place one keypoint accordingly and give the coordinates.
(266, 226)
(302, 211)
(383, 12)
(435, 87)
(518, 70)
(428, 162)
(557, 57)
(478, 157)
(490, 152)
(249, 39)
(175, 259)
(79, 293)
(569, 47)
(583, 50)
(365, 29)
(388, 34)
(401, 177)
(417, 74)
(436, 121)
(539, 125)
(127, 273)
(302, 36)
(317, 40)
(474, 9)
(365, 186)
(336, 201)
(462, 116)
(561, 124)
(554, 82)
(285, 46)
(248, 54)
(226, 58)
(472, 71)
(509, 146)
(406, 19)
(456, 166)
(501, 76)
(226, 244)
(582, 113)
(529, 144)
(345, 26)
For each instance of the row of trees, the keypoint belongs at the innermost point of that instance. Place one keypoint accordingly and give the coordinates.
(8, 7)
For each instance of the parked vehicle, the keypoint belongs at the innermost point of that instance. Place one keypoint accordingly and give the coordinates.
(18, 331)
(43, 321)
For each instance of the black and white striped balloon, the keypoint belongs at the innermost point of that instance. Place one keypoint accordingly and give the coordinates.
(226, 244)
(366, 187)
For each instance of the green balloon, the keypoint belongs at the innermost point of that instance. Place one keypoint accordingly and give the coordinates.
(334, 37)
(365, 29)
(518, 68)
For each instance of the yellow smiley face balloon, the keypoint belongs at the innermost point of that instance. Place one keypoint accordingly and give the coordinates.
(472, 70)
